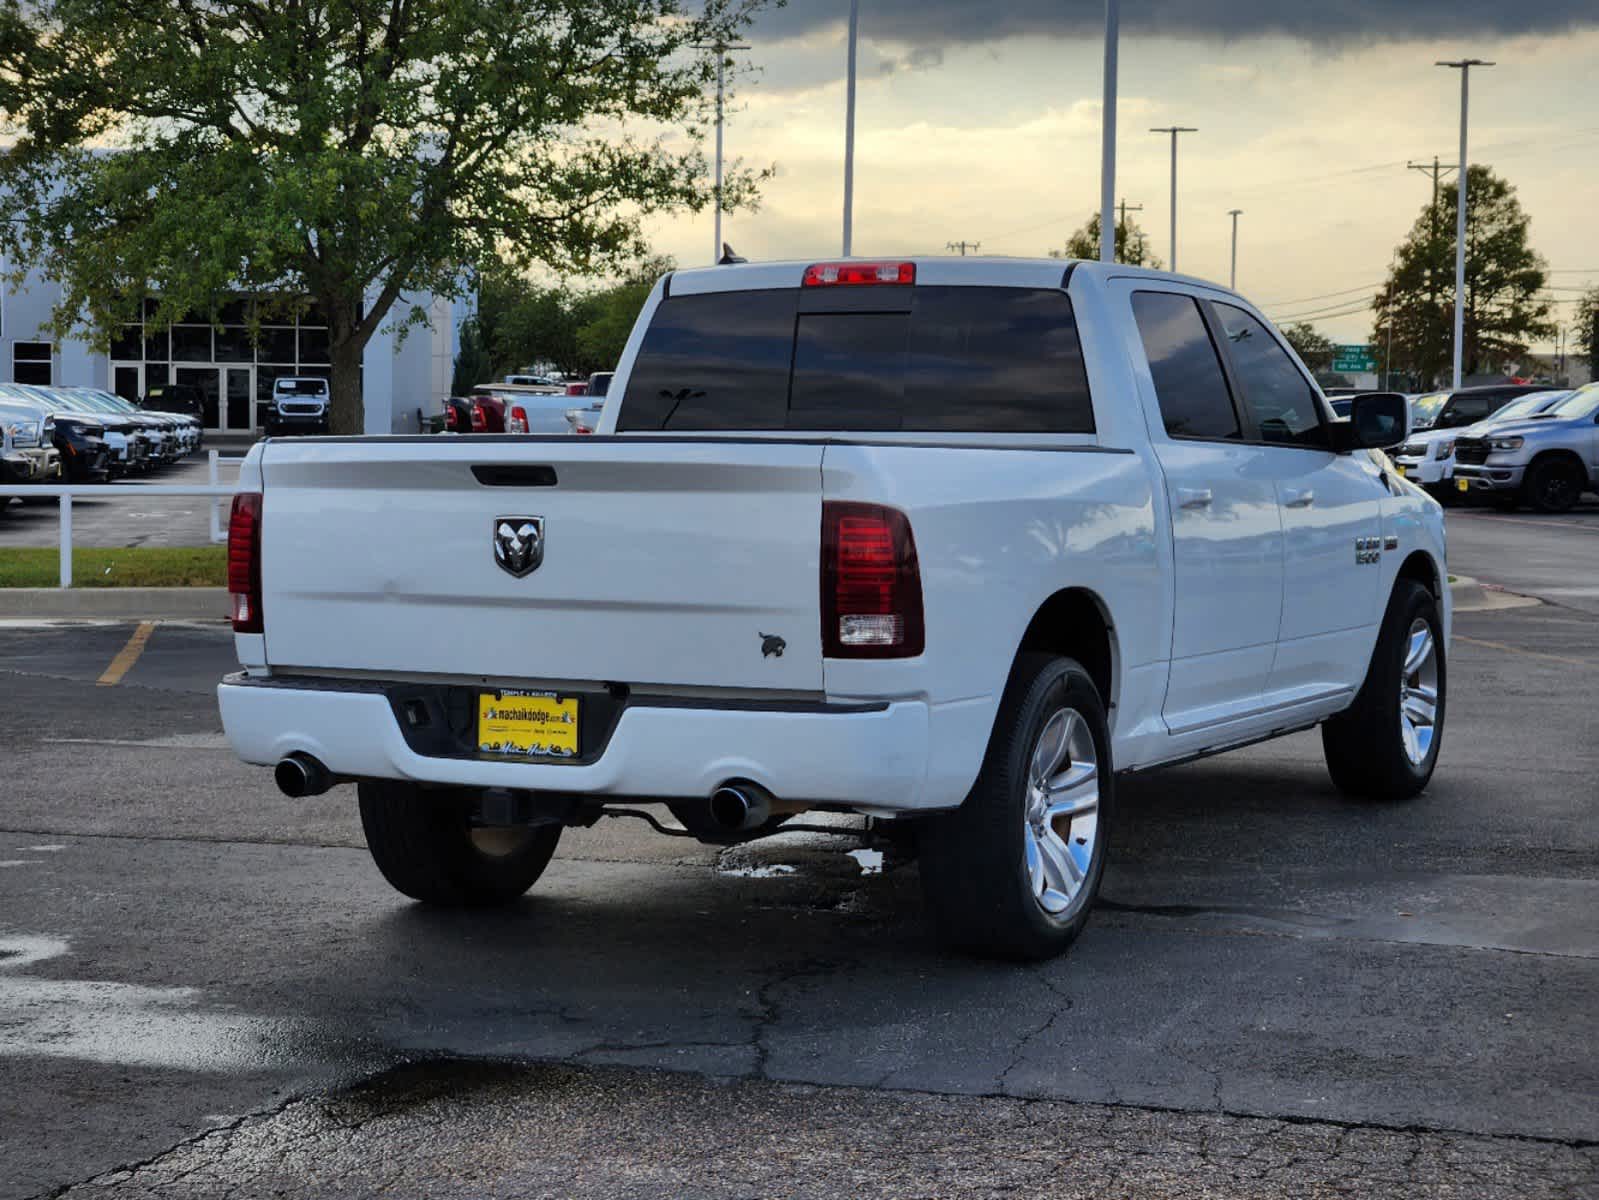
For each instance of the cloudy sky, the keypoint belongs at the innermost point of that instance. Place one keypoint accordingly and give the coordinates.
(980, 121)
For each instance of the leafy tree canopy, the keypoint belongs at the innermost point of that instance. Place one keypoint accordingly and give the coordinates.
(1504, 275)
(1315, 350)
(1588, 328)
(356, 153)
(1132, 244)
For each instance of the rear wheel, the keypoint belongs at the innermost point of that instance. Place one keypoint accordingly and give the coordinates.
(424, 842)
(1386, 744)
(1014, 871)
(1554, 485)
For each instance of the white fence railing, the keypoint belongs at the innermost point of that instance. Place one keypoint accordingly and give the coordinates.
(217, 492)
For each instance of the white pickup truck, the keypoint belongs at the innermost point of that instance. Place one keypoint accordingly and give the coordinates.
(951, 541)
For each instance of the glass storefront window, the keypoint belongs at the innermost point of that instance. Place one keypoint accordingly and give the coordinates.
(191, 343)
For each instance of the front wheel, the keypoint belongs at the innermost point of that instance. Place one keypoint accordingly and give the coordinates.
(1554, 485)
(424, 842)
(1013, 872)
(1385, 745)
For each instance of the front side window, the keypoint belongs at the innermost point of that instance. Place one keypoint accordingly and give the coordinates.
(1189, 384)
(1276, 395)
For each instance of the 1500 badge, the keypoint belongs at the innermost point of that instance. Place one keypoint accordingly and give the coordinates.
(1367, 550)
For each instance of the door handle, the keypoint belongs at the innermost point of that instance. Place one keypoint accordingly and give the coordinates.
(1298, 497)
(1193, 497)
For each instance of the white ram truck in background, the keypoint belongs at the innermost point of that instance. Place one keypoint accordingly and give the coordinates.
(947, 541)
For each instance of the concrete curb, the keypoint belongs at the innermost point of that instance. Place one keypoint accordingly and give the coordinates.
(1470, 595)
(122, 604)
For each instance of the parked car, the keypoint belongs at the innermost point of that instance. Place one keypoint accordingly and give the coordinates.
(946, 541)
(457, 415)
(26, 455)
(1546, 460)
(79, 436)
(1467, 406)
(544, 382)
(299, 404)
(1428, 456)
(508, 408)
(160, 437)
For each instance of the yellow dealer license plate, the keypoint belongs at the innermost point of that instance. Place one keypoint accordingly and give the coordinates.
(1399, 470)
(1463, 485)
(527, 724)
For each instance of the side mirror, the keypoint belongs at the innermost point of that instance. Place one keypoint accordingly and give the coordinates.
(1377, 421)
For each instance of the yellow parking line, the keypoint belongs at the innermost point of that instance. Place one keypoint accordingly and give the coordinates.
(128, 655)
(1574, 662)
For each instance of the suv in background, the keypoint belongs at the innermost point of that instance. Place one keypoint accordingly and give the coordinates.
(1470, 405)
(299, 404)
(1428, 457)
(1546, 461)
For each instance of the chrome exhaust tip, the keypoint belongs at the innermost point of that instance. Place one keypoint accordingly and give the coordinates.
(739, 806)
(299, 775)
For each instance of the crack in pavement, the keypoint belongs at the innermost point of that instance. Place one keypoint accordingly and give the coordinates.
(453, 1128)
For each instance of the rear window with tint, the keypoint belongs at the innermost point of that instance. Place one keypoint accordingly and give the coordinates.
(962, 359)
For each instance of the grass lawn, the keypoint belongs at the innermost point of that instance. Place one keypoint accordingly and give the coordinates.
(141, 566)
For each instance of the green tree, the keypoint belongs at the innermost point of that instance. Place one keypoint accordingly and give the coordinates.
(472, 363)
(1504, 276)
(1132, 244)
(350, 152)
(1588, 328)
(1314, 350)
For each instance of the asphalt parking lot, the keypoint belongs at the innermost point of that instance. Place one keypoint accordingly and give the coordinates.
(119, 522)
(205, 988)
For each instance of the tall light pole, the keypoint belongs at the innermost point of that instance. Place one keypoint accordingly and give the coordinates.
(1464, 66)
(1174, 130)
(849, 130)
(721, 49)
(1232, 278)
(1107, 136)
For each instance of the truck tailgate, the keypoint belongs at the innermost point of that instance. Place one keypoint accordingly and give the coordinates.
(666, 562)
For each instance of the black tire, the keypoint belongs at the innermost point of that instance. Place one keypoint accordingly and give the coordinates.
(422, 841)
(975, 877)
(1553, 485)
(1364, 745)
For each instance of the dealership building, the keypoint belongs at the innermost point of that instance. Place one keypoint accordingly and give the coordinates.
(233, 371)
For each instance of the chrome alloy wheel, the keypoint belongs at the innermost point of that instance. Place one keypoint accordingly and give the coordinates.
(1418, 693)
(1062, 811)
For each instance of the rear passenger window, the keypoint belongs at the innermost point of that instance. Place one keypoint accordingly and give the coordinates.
(1189, 384)
(717, 361)
(963, 359)
(1278, 397)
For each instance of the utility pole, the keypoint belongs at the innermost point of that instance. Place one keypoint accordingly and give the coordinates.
(963, 246)
(1435, 170)
(1107, 135)
(721, 49)
(1174, 130)
(1464, 66)
(1232, 278)
(1121, 223)
(849, 130)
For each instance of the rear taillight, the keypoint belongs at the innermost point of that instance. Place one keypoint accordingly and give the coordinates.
(244, 562)
(517, 422)
(480, 420)
(452, 419)
(858, 274)
(871, 583)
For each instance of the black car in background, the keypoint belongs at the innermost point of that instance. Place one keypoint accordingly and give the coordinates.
(1470, 405)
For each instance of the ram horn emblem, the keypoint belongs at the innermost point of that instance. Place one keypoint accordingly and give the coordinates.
(519, 544)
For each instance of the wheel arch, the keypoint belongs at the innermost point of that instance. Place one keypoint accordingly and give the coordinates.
(1075, 622)
(1562, 453)
(1421, 567)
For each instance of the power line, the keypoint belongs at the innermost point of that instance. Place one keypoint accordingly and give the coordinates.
(1359, 287)
(963, 246)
